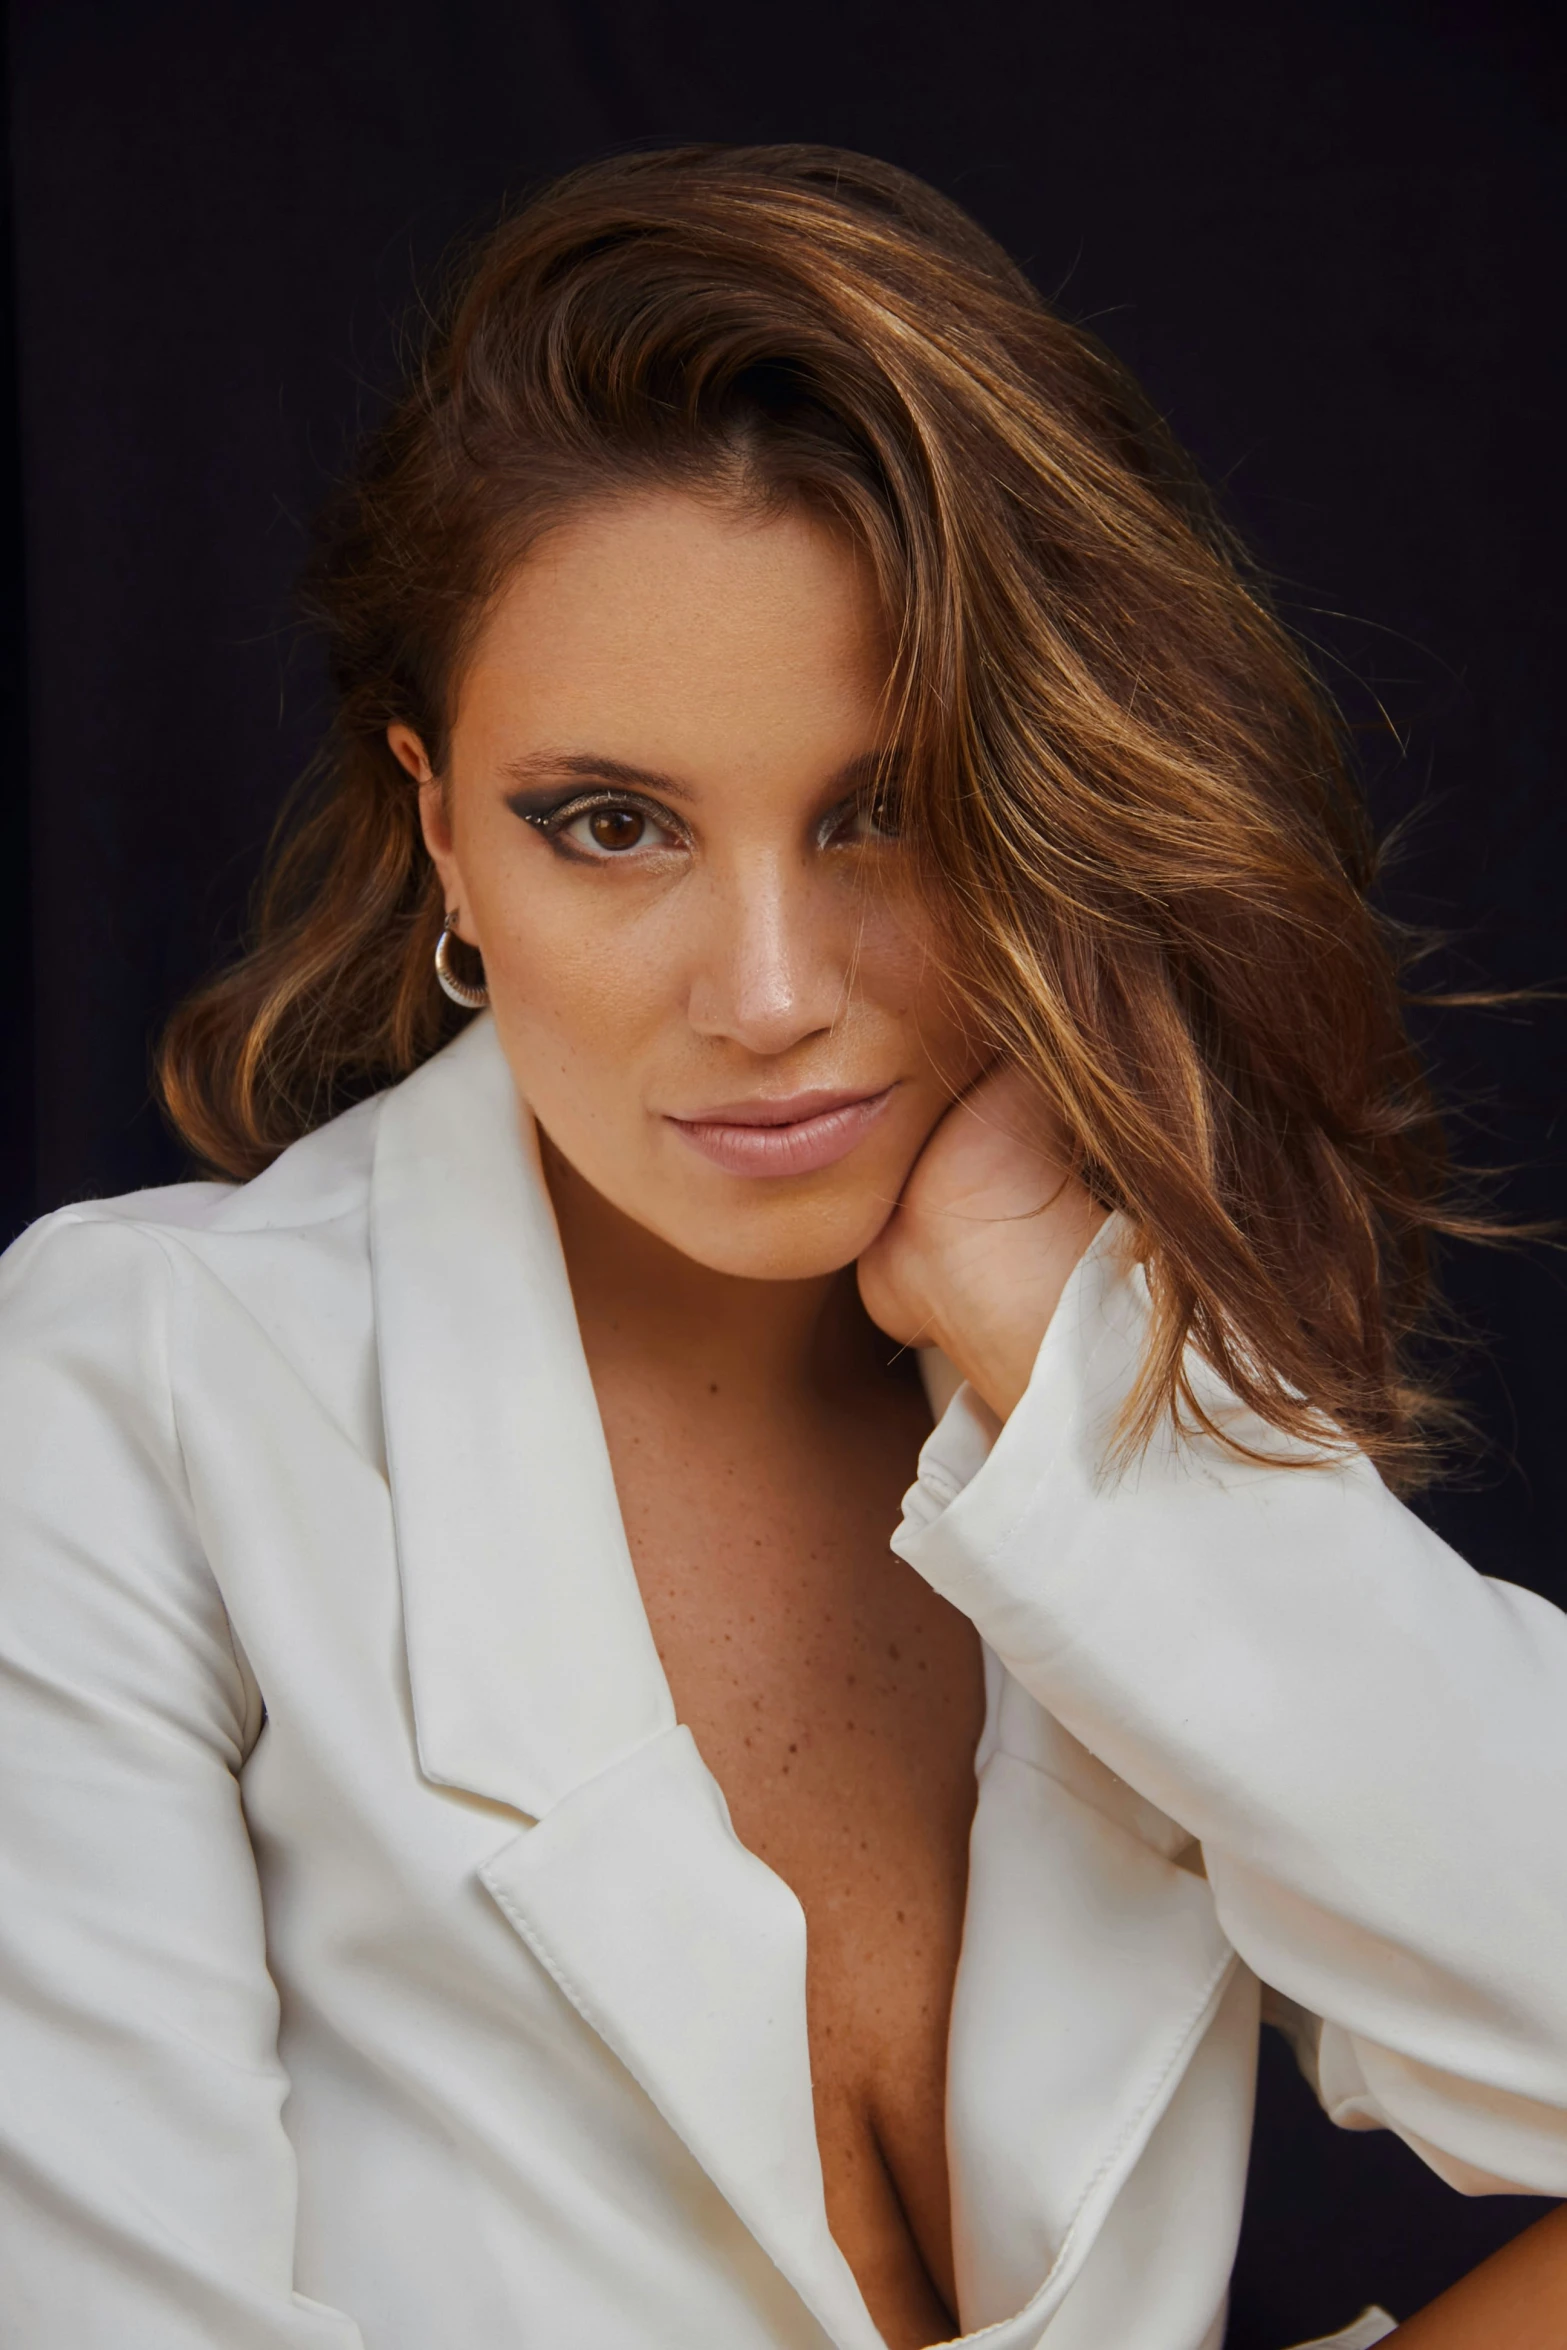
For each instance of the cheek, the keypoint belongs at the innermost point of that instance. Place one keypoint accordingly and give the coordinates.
(901, 971)
(578, 1011)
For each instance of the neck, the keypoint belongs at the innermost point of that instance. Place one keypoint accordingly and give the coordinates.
(688, 1326)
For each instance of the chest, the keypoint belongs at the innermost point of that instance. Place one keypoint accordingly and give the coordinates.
(838, 1702)
(835, 1697)
(1082, 1949)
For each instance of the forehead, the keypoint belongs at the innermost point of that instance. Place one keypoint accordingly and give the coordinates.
(676, 632)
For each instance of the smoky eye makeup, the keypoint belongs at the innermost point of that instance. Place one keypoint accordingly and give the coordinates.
(606, 823)
(613, 821)
(864, 817)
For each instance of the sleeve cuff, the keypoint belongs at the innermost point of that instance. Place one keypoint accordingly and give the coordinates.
(979, 1476)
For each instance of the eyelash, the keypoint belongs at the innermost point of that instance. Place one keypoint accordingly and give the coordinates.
(881, 811)
(554, 823)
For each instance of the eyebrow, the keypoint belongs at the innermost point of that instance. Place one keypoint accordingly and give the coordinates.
(588, 767)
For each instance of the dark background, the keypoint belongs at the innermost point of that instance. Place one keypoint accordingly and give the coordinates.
(1329, 238)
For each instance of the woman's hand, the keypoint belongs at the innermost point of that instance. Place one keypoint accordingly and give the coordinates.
(978, 1250)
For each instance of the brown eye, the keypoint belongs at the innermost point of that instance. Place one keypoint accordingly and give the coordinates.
(617, 828)
(612, 832)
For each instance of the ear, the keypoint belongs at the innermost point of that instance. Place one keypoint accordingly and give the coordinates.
(408, 751)
(434, 820)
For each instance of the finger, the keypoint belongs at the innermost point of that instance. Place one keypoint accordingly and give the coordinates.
(1010, 1101)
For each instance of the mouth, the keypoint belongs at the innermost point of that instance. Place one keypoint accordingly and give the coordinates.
(784, 1134)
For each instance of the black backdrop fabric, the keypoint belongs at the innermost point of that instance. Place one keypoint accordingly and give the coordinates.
(1329, 238)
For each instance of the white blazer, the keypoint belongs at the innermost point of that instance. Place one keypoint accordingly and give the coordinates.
(379, 1969)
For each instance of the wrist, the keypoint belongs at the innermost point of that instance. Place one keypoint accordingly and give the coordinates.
(994, 1354)
(990, 1305)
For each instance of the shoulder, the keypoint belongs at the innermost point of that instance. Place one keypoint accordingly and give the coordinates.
(94, 1281)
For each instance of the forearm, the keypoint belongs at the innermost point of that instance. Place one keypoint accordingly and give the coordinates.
(1516, 2300)
(1364, 1734)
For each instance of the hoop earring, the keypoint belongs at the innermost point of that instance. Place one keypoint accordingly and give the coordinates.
(472, 999)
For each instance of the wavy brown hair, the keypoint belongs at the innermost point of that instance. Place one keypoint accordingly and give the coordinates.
(1152, 861)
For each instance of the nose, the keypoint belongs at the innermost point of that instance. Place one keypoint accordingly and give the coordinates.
(769, 956)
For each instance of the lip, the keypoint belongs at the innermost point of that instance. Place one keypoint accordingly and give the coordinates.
(783, 1134)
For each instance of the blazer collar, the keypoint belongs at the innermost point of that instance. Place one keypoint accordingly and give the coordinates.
(532, 1664)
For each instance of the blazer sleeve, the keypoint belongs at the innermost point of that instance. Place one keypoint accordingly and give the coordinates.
(147, 2186)
(1368, 1738)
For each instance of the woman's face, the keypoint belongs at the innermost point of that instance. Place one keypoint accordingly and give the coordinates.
(713, 978)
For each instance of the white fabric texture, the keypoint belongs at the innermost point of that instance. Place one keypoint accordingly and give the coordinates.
(378, 1965)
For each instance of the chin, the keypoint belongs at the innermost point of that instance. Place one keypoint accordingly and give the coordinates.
(780, 1241)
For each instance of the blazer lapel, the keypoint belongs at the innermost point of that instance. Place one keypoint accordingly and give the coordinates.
(535, 1680)
(687, 1954)
(1091, 1966)
(528, 1646)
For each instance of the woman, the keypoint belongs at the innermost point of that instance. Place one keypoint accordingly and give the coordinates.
(823, 854)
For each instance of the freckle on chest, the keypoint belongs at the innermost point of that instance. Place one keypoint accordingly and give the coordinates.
(838, 1702)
